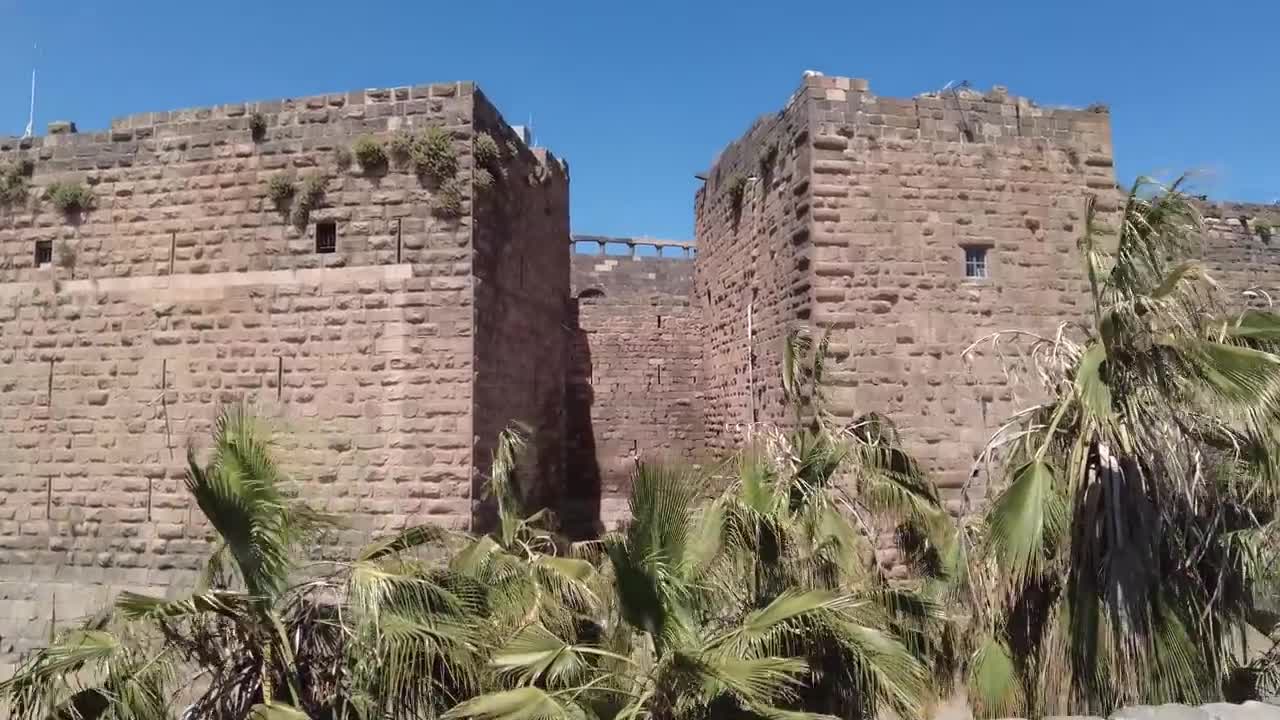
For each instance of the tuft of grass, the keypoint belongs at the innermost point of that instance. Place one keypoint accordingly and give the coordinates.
(447, 201)
(258, 126)
(280, 189)
(400, 147)
(1264, 229)
(488, 161)
(736, 190)
(370, 155)
(342, 158)
(69, 197)
(486, 151)
(433, 155)
(310, 196)
(13, 182)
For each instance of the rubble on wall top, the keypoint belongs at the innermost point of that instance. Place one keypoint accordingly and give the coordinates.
(368, 96)
(997, 93)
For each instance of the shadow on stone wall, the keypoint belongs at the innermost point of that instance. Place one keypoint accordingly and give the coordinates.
(580, 503)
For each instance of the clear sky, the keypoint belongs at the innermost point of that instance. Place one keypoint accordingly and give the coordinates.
(640, 95)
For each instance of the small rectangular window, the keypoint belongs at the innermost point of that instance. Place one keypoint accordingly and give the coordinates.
(44, 252)
(326, 237)
(975, 263)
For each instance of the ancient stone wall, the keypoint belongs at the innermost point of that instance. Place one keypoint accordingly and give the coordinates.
(752, 278)
(900, 191)
(1242, 250)
(185, 287)
(903, 191)
(635, 380)
(521, 272)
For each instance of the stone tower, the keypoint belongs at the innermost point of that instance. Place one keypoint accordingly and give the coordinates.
(906, 230)
(392, 331)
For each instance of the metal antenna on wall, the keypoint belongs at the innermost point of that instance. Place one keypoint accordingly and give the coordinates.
(31, 116)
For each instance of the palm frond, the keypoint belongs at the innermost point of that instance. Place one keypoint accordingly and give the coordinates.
(525, 703)
(1024, 519)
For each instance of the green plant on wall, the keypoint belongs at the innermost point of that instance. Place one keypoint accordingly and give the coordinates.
(486, 150)
(342, 158)
(399, 148)
(736, 190)
(433, 155)
(309, 197)
(1264, 229)
(370, 154)
(488, 161)
(69, 197)
(280, 190)
(258, 126)
(13, 182)
(447, 201)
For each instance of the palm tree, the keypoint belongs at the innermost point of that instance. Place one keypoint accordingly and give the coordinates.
(382, 636)
(1119, 562)
(530, 572)
(767, 602)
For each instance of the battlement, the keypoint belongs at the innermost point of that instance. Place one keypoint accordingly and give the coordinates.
(237, 115)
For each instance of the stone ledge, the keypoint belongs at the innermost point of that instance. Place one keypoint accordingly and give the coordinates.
(199, 285)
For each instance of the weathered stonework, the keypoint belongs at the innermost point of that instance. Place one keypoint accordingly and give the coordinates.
(185, 287)
(453, 307)
(635, 385)
(859, 226)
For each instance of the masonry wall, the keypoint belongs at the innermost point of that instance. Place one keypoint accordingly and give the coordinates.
(521, 267)
(185, 288)
(635, 384)
(752, 278)
(901, 189)
(1242, 250)
(862, 234)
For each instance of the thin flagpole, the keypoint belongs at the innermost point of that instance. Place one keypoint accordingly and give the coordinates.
(31, 116)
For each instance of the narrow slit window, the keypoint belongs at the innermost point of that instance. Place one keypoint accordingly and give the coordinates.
(44, 252)
(326, 237)
(975, 263)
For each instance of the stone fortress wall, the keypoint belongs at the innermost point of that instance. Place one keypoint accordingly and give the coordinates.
(185, 287)
(393, 362)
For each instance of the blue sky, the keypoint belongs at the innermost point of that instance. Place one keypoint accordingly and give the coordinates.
(640, 95)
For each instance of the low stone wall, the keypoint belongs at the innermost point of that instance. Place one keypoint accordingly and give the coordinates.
(1212, 711)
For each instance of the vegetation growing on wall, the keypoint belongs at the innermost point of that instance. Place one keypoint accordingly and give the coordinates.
(736, 190)
(342, 158)
(433, 155)
(14, 182)
(309, 197)
(447, 201)
(280, 189)
(70, 198)
(370, 154)
(258, 126)
(399, 147)
(488, 161)
(1264, 229)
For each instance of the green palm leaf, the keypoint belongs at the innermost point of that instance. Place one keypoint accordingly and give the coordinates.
(994, 687)
(1024, 520)
(526, 703)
